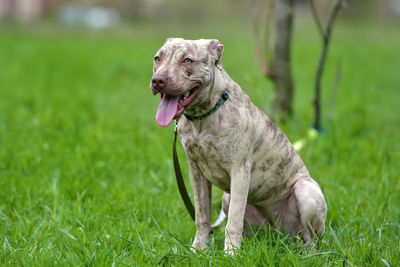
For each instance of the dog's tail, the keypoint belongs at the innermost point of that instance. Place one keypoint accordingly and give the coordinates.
(226, 198)
(221, 218)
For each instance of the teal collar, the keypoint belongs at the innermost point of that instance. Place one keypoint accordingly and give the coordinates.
(219, 103)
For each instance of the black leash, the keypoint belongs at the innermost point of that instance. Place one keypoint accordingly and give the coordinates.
(179, 177)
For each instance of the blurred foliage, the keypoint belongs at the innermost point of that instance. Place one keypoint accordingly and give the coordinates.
(382, 9)
(206, 9)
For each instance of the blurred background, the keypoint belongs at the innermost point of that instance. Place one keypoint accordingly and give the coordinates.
(108, 13)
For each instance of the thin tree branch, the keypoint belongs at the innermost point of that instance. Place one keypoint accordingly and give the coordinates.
(317, 18)
(338, 4)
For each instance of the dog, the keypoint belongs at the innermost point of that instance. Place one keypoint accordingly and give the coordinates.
(230, 143)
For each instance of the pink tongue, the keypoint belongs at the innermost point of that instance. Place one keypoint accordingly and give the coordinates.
(167, 110)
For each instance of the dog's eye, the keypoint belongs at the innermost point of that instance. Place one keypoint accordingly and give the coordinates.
(187, 60)
(157, 59)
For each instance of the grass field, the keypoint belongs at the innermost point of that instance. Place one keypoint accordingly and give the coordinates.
(86, 173)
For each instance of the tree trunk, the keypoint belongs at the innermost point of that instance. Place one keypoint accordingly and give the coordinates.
(282, 106)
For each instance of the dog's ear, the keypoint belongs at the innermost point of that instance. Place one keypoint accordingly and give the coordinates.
(215, 48)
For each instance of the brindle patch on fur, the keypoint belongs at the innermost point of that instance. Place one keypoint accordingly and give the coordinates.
(270, 162)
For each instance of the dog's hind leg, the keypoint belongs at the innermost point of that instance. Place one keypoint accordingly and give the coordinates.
(311, 207)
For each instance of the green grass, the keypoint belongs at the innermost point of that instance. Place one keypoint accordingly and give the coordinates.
(86, 173)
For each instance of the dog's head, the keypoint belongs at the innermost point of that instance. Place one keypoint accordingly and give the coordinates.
(182, 70)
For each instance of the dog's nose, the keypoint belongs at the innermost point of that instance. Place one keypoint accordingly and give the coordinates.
(159, 81)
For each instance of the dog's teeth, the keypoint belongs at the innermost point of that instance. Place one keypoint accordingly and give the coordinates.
(187, 94)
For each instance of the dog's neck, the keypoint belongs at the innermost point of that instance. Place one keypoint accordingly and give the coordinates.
(212, 93)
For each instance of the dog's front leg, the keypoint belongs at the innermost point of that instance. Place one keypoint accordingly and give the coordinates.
(240, 182)
(202, 205)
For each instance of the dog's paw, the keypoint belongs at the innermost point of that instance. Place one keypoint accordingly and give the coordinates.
(198, 245)
(229, 252)
(229, 249)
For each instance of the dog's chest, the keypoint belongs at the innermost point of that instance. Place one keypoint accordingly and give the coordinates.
(210, 155)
